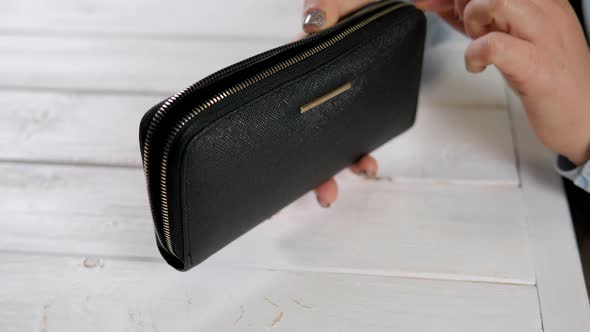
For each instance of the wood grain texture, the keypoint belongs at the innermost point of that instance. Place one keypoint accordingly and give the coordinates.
(453, 144)
(381, 228)
(77, 249)
(153, 19)
(72, 128)
(116, 65)
(164, 66)
(562, 294)
(69, 294)
(377, 227)
(450, 144)
(75, 210)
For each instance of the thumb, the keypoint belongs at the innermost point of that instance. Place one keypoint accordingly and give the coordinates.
(321, 14)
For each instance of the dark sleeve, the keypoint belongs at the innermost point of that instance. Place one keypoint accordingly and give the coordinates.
(580, 7)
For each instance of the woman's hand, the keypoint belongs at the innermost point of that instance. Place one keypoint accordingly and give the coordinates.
(540, 49)
(327, 192)
(538, 46)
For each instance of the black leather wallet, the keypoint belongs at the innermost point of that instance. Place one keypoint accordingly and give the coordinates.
(229, 151)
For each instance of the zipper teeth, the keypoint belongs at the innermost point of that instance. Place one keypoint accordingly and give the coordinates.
(167, 241)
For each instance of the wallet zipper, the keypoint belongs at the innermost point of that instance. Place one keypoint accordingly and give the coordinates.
(158, 116)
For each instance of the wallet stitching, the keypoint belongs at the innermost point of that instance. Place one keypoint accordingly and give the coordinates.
(234, 113)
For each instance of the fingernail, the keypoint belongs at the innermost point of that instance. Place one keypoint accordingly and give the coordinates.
(314, 18)
(474, 30)
(323, 204)
(474, 66)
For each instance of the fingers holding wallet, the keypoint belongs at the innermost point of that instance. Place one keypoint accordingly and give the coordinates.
(327, 192)
(519, 18)
(540, 49)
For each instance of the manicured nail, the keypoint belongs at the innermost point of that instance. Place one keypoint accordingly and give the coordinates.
(475, 30)
(474, 66)
(314, 18)
(323, 204)
(368, 174)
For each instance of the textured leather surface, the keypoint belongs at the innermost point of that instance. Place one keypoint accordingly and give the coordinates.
(248, 157)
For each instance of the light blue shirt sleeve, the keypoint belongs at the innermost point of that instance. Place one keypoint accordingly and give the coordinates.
(579, 175)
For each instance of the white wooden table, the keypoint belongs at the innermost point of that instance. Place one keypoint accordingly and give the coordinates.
(467, 228)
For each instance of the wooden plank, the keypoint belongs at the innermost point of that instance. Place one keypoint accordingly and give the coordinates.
(562, 293)
(152, 18)
(75, 209)
(448, 144)
(120, 65)
(72, 128)
(165, 66)
(453, 144)
(77, 294)
(473, 145)
(377, 227)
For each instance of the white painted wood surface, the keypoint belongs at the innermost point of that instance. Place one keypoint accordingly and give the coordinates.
(87, 294)
(562, 297)
(452, 144)
(260, 19)
(451, 237)
(104, 64)
(376, 227)
(72, 128)
(447, 144)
